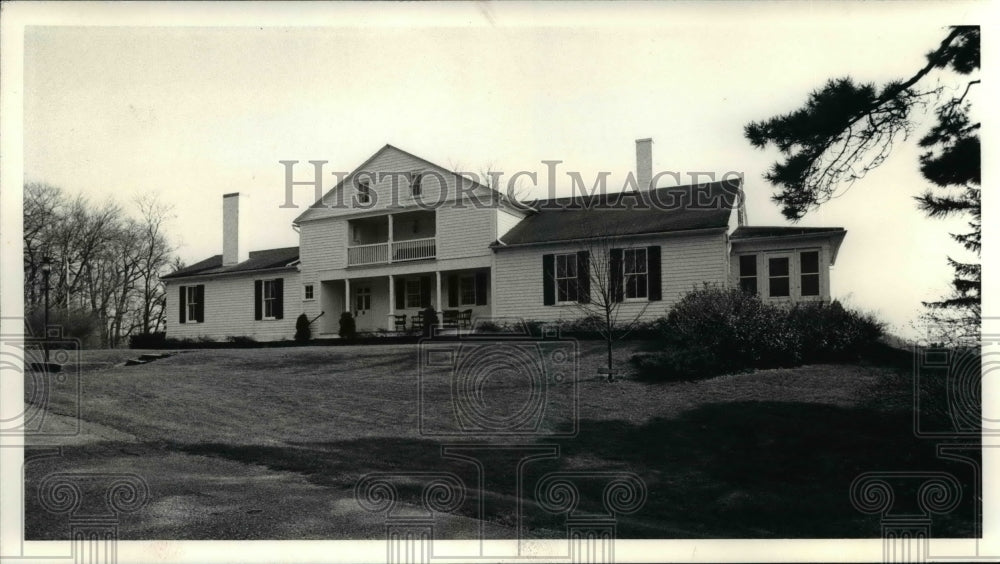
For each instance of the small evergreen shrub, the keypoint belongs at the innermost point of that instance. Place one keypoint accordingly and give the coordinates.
(347, 326)
(303, 331)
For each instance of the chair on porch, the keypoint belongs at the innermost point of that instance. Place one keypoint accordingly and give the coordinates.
(416, 323)
(465, 319)
(450, 317)
(400, 321)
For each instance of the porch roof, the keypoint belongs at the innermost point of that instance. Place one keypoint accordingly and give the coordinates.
(257, 260)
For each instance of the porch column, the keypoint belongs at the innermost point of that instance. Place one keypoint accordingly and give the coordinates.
(347, 294)
(437, 276)
(392, 296)
(390, 245)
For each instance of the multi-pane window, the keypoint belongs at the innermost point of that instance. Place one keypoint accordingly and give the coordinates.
(566, 278)
(748, 273)
(270, 297)
(467, 290)
(192, 303)
(634, 268)
(363, 299)
(809, 271)
(308, 291)
(778, 277)
(413, 293)
(364, 192)
(415, 183)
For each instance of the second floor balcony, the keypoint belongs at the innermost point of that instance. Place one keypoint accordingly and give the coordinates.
(392, 238)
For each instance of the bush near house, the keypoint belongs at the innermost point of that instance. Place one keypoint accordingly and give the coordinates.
(347, 326)
(713, 331)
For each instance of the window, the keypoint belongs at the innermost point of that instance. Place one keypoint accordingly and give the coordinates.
(270, 299)
(413, 293)
(566, 278)
(192, 303)
(467, 290)
(636, 283)
(364, 192)
(778, 277)
(809, 271)
(416, 178)
(363, 299)
(308, 291)
(748, 273)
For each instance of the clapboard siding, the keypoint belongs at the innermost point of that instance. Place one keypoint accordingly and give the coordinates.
(438, 186)
(686, 263)
(464, 232)
(229, 309)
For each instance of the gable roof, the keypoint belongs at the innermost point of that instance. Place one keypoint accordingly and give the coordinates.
(498, 194)
(746, 232)
(268, 259)
(672, 209)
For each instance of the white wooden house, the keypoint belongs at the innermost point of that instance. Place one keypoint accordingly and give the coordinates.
(400, 233)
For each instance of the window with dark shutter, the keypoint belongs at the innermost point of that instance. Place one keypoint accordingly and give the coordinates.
(182, 299)
(654, 273)
(199, 313)
(548, 279)
(567, 278)
(583, 276)
(258, 302)
(617, 275)
(635, 273)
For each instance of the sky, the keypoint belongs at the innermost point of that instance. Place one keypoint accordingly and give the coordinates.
(207, 103)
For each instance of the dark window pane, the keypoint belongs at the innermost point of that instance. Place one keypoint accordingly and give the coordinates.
(777, 266)
(779, 287)
(749, 285)
(810, 262)
(748, 265)
(810, 284)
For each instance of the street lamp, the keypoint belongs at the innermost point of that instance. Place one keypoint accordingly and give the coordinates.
(46, 269)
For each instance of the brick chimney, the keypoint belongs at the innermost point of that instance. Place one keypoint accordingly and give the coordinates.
(234, 239)
(644, 163)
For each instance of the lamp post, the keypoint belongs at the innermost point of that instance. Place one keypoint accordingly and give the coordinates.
(46, 269)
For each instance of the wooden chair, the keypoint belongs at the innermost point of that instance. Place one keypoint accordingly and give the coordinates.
(416, 323)
(400, 321)
(450, 317)
(465, 319)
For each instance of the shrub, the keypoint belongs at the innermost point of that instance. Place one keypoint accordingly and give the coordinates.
(347, 326)
(241, 340)
(713, 331)
(303, 332)
(147, 340)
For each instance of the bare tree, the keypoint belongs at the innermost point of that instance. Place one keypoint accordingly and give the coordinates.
(105, 265)
(611, 269)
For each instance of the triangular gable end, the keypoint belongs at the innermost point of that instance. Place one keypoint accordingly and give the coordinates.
(405, 161)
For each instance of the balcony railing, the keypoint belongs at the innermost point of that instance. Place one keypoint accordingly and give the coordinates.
(378, 253)
(368, 254)
(415, 249)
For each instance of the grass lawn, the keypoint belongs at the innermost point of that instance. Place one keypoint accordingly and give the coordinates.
(268, 444)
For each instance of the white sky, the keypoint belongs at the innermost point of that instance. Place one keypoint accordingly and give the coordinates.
(191, 113)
